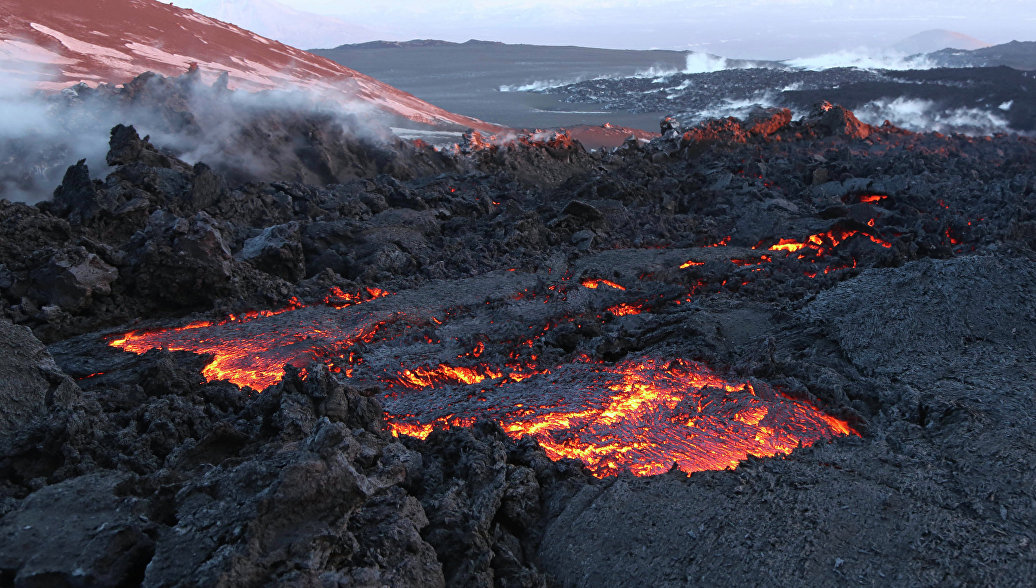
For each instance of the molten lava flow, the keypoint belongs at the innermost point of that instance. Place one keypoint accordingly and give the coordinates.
(625, 309)
(750, 262)
(823, 243)
(691, 263)
(594, 284)
(340, 299)
(789, 245)
(645, 415)
(444, 374)
(420, 378)
(247, 354)
(872, 198)
(641, 415)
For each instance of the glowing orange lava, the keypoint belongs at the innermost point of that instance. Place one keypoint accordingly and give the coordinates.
(823, 243)
(641, 415)
(789, 245)
(444, 374)
(645, 415)
(625, 309)
(248, 355)
(594, 284)
(340, 299)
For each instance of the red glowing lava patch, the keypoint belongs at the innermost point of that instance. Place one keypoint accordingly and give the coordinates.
(248, 350)
(643, 416)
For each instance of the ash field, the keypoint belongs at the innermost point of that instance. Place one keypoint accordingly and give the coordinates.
(785, 348)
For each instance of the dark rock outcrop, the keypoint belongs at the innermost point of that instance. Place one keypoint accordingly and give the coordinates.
(277, 251)
(179, 261)
(31, 384)
(72, 279)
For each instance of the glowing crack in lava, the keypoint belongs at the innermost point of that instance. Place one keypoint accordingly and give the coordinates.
(641, 415)
(645, 415)
(823, 243)
(247, 352)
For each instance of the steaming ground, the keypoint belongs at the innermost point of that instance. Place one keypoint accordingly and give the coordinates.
(40, 134)
(542, 87)
(973, 101)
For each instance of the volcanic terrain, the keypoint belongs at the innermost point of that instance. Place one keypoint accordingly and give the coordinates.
(260, 340)
(767, 350)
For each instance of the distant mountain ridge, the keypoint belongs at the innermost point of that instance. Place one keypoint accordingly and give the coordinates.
(415, 43)
(937, 40)
(1016, 54)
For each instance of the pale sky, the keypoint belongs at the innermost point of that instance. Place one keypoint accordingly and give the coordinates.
(738, 28)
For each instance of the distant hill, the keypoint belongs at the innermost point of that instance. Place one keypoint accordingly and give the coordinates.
(936, 40)
(416, 43)
(283, 23)
(1016, 54)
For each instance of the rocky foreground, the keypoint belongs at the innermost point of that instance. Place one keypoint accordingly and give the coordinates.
(917, 329)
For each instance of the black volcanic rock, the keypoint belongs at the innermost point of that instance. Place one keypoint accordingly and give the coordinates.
(30, 382)
(102, 538)
(72, 278)
(77, 195)
(179, 261)
(836, 121)
(972, 100)
(127, 147)
(278, 251)
(1015, 54)
(208, 188)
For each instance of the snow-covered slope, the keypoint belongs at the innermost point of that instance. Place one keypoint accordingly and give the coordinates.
(284, 23)
(53, 44)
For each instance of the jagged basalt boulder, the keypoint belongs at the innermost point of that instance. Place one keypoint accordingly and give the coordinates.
(765, 122)
(833, 120)
(72, 279)
(277, 251)
(127, 147)
(482, 502)
(179, 261)
(99, 539)
(319, 500)
(78, 197)
(31, 384)
(208, 188)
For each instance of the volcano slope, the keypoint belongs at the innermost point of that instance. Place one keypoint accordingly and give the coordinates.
(464, 376)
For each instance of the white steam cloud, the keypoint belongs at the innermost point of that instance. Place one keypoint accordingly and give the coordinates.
(927, 116)
(698, 63)
(41, 134)
(862, 59)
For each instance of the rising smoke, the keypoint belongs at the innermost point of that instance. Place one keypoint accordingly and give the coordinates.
(927, 116)
(247, 136)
